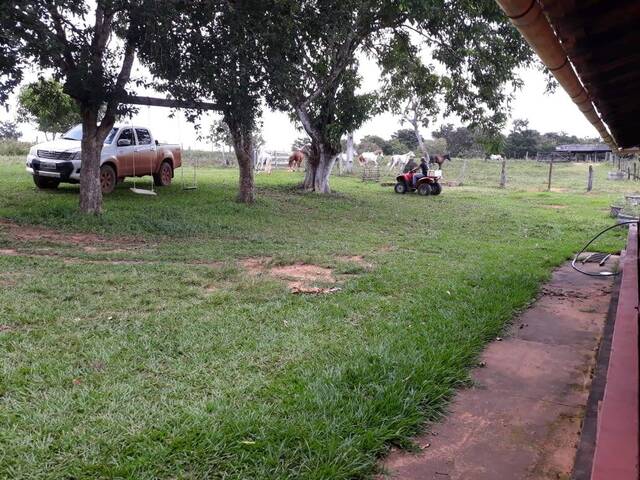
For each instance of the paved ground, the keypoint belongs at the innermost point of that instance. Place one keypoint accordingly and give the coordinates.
(522, 417)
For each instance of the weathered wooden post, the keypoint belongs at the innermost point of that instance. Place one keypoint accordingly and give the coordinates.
(590, 179)
(628, 172)
(503, 174)
(635, 176)
(550, 173)
(462, 172)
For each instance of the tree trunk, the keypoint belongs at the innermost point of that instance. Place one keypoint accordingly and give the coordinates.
(423, 147)
(349, 167)
(91, 149)
(319, 166)
(243, 146)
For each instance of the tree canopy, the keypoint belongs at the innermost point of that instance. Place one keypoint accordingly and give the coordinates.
(75, 41)
(44, 103)
(9, 131)
(214, 54)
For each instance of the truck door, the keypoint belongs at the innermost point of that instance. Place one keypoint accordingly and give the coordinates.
(125, 152)
(145, 152)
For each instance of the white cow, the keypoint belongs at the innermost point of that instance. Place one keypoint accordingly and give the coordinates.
(496, 157)
(399, 161)
(370, 157)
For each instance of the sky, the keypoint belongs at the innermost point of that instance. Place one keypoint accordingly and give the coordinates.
(545, 112)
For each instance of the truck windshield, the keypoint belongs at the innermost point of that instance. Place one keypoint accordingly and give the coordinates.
(76, 134)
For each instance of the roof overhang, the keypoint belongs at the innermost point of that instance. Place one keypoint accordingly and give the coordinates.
(592, 47)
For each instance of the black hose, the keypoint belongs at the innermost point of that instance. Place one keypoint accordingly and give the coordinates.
(600, 274)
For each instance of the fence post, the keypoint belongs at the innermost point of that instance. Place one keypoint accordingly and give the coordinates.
(463, 172)
(628, 172)
(635, 176)
(550, 173)
(590, 180)
(503, 174)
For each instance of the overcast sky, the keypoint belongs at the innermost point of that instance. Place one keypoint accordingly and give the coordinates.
(545, 112)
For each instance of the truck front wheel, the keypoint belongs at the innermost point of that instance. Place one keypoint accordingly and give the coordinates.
(164, 175)
(46, 183)
(108, 179)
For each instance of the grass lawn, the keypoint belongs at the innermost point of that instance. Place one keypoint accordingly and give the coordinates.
(148, 351)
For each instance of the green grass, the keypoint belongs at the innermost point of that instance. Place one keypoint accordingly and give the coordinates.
(184, 366)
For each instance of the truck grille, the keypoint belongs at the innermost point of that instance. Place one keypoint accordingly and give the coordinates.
(55, 155)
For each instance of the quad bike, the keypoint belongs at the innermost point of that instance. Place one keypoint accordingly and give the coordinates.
(429, 185)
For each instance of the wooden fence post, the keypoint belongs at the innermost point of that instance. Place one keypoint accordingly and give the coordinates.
(550, 173)
(590, 179)
(503, 174)
(628, 172)
(635, 176)
(463, 172)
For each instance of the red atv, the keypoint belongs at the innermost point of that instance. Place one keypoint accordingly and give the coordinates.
(429, 185)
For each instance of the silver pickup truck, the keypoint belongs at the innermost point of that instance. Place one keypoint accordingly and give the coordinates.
(128, 151)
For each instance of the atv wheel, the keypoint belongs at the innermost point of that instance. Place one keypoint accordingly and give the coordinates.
(424, 189)
(436, 189)
(400, 188)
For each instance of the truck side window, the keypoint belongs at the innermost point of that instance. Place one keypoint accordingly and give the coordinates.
(144, 137)
(127, 134)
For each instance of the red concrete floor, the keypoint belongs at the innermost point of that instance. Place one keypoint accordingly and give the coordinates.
(522, 417)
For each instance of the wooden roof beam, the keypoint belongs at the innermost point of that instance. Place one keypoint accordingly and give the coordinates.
(169, 103)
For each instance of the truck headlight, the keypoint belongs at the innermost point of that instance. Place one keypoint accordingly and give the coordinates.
(76, 156)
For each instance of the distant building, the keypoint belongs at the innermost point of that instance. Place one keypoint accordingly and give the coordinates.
(587, 152)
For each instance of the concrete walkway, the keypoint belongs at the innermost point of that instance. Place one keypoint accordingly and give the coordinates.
(522, 417)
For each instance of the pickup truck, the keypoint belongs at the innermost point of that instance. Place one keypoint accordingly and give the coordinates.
(128, 151)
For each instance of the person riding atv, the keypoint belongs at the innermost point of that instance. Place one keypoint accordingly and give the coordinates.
(420, 179)
(424, 167)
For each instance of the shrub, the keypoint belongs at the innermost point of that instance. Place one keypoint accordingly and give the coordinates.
(14, 147)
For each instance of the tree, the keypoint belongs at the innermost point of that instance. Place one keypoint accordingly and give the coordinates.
(312, 48)
(411, 89)
(312, 70)
(214, 54)
(407, 138)
(371, 143)
(522, 140)
(9, 131)
(220, 136)
(461, 141)
(478, 53)
(299, 143)
(45, 103)
(75, 41)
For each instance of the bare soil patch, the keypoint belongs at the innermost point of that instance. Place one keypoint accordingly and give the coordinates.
(357, 259)
(90, 242)
(299, 277)
(555, 207)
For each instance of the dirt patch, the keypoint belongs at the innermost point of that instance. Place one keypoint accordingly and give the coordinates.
(357, 259)
(305, 273)
(8, 252)
(255, 265)
(5, 328)
(299, 277)
(555, 207)
(88, 241)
